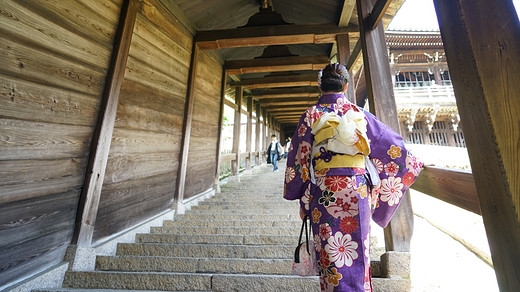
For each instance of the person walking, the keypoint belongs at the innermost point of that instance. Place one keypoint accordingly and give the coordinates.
(286, 147)
(345, 167)
(274, 152)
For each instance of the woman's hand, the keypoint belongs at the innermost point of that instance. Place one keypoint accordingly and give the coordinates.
(302, 213)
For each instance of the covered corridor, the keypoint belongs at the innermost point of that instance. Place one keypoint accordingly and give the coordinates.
(111, 113)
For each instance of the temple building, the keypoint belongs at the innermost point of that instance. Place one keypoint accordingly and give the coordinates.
(423, 89)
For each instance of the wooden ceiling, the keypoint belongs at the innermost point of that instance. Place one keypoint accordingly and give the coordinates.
(277, 64)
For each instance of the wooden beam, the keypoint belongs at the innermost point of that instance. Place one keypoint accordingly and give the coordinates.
(230, 104)
(377, 13)
(302, 108)
(382, 103)
(270, 35)
(453, 186)
(293, 63)
(292, 99)
(278, 81)
(346, 12)
(311, 91)
(289, 112)
(186, 130)
(481, 39)
(287, 104)
(262, 97)
(102, 138)
(220, 126)
(354, 55)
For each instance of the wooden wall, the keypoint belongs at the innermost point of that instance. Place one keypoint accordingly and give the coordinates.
(54, 57)
(141, 173)
(200, 175)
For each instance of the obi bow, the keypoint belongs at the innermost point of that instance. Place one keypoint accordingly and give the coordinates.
(346, 134)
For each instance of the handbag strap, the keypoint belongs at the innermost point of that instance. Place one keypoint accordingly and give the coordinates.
(304, 226)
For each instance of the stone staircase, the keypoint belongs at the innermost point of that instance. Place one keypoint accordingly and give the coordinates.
(242, 239)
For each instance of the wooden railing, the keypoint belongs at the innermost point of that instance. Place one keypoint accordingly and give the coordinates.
(456, 187)
(425, 94)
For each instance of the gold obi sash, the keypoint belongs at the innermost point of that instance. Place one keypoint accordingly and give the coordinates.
(339, 161)
(344, 136)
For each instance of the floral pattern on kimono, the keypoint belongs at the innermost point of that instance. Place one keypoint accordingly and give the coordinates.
(340, 201)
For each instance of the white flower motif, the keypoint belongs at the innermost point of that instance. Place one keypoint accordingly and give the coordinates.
(317, 242)
(341, 249)
(391, 190)
(306, 199)
(290, 173)
(413, 164)
(378, 164)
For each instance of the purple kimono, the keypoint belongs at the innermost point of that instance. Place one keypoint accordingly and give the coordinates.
(336, 191)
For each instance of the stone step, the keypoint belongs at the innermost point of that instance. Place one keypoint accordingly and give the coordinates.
(194, 265)
(234, 223)
(226, 230)
(265, 211)
(192, 282)
(203, 265)
(218, 239)
(207, 250)
(211, 217)
(92, 290)
(234, 207)
(220, 204)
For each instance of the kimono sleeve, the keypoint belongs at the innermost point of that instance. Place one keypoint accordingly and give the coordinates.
(396, 166)
(297, 175)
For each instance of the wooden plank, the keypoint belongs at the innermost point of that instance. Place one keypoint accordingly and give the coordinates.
(382, 103)
(270, 35)
(259, 65)
(37, 140)
(285, 92)
(89, 200)
(453, 186)
(228, 156)
(186, 130)
(377, 13)
(24, 179)
(125, 206)
(219, 158)
(29, 25)
(128, 141)
(278, 81)
(292, 99)
(481, 40)
(136, 166)
(22, 100)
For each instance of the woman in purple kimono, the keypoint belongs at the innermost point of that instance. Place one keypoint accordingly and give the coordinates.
(326, 171)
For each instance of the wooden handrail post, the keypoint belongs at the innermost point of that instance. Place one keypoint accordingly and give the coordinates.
(220, 127)
(382, 103)
(258, 135)
(343, 45)
(237, 128)
(102, 139)
(249, 132)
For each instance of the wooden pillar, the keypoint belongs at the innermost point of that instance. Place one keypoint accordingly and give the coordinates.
(220, 126)
(186, 130)
(100, 148)
(382, 103)
(258, 134)
(482, 40)
(237, 127)
(343, 45)
(249, 132)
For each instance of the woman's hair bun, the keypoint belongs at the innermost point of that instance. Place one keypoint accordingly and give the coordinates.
(332, 78)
